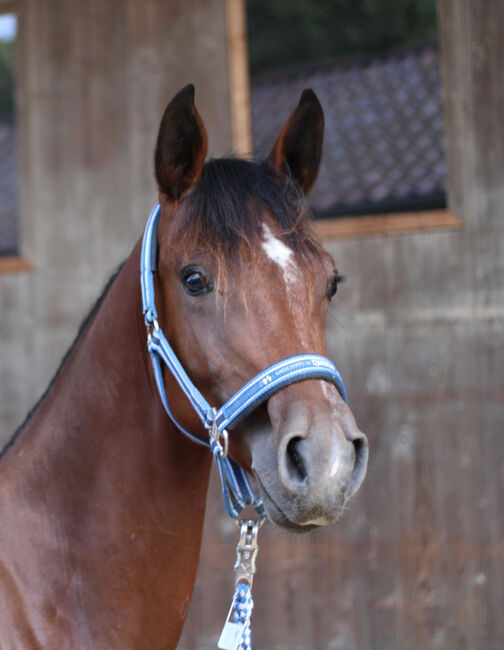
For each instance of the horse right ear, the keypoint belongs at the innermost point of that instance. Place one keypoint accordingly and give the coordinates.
(181, 146)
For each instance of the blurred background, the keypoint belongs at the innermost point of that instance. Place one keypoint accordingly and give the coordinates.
(410, 202)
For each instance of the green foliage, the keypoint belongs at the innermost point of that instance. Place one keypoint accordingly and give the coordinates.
(6, 79)
(287, 32)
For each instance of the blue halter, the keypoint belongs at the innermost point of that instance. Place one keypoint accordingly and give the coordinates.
(237, 491)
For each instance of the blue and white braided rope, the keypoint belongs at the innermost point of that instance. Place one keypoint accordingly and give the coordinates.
(242, 613)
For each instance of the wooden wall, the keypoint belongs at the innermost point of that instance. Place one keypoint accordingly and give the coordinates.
(94, 78)
(418, 333)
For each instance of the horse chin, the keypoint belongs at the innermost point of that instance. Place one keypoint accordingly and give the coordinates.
(280, 519)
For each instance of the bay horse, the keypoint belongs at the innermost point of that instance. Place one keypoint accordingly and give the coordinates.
(101, 499)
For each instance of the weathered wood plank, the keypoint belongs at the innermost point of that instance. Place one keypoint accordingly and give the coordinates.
(239, 76)
(14, 265)
(386, 224)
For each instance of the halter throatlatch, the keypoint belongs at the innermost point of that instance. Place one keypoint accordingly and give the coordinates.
(237, 490)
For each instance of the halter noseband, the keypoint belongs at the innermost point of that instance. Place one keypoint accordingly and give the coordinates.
(237, 491)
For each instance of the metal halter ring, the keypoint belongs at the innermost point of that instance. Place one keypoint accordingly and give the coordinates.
(151, 326)
(221, 439)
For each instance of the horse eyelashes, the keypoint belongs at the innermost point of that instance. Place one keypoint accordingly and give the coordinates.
(332, 287)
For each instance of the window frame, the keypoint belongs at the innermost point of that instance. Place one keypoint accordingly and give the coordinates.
(337, 227)
(393, 223)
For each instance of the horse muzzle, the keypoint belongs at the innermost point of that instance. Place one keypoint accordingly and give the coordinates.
(319, 463)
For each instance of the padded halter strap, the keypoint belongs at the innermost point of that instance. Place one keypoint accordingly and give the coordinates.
(237, 490)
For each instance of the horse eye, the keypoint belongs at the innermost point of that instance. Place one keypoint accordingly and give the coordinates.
(332, 287)
(195, 282)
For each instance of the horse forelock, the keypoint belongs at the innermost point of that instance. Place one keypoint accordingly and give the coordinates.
(225, 212)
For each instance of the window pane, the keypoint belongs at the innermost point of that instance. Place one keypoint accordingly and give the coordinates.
(8, 148)
(375, 67)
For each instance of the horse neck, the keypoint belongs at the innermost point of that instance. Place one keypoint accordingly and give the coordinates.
(102, 466)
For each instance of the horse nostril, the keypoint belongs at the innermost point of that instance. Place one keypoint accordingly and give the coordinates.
(360, 465)
(295, 465)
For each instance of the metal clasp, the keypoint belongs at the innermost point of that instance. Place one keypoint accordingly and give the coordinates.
(151, 326)
(221, 437)
(246, 551)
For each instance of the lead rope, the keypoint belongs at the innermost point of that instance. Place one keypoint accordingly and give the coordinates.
(243, 614)
(236, 633)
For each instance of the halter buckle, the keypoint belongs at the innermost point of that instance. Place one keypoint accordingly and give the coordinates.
(246, 551)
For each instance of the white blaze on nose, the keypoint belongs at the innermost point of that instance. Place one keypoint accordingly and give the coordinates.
(281, 254)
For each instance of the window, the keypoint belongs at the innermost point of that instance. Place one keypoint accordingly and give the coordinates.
(8, 144)
(375, 67)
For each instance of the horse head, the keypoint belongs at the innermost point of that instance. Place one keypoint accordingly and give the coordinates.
(243, 283)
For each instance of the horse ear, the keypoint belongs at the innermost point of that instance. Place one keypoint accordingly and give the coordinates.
(298, 148)
(181, 146)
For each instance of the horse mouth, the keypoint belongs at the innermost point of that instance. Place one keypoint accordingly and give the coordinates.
(276, 514)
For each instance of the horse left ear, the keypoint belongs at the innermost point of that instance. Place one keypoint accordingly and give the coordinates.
(298, 148)
(181, 146)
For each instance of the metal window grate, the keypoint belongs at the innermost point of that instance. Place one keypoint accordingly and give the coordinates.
(383, 148)
(8, 189)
